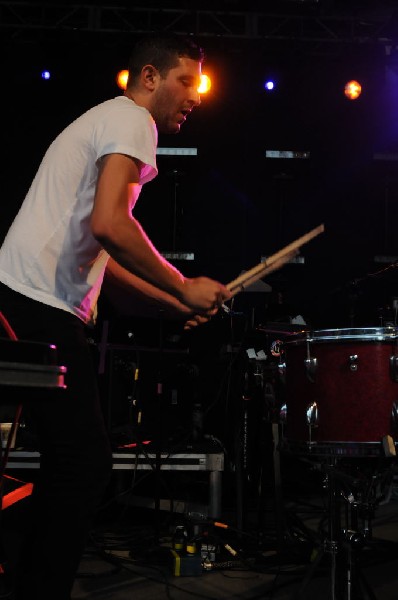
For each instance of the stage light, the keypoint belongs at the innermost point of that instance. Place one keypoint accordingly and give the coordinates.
(45, 75)
(269, 85)
(352, 89)
(121, 79)
(205, 84)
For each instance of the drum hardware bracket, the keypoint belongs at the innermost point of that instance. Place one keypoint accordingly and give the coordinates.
(353, 360)
(311, 367)
(394, 416)
(355, 539)
(282, 370)
(394, 367)
(312, 419)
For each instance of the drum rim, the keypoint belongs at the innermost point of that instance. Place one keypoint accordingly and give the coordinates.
(346, 334)
(333, 448)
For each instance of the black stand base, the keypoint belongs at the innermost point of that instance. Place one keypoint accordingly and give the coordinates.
(347, 580)
(342, 545)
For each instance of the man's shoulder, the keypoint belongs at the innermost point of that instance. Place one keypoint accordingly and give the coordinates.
(111, 112)
(121, 103)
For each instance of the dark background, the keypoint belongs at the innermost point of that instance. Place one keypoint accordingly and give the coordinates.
(231, 205)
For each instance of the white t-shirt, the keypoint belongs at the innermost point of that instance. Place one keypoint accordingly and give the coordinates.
(49, 253)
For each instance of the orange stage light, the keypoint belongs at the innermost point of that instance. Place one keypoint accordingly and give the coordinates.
(205, 84)
(121, 79)
(352, 89)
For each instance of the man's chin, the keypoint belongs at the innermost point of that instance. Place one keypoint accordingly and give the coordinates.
(170, 128)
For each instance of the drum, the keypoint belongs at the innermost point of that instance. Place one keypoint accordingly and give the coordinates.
(341, 390)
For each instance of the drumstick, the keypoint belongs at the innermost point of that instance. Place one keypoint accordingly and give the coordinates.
(265, 271)
(272, 263)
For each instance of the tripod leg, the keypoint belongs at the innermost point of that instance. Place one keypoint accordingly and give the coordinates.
(365, 585)
(278, 496)
(298, 595)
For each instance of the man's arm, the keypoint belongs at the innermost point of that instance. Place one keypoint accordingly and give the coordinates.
(134, 296)
(124, 239)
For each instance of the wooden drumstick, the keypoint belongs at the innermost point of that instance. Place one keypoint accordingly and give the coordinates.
(259, 275)
(273, 262)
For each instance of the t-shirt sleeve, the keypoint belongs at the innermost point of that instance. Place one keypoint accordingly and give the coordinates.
(130, 131)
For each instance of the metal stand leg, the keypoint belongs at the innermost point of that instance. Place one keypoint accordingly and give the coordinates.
(309, 575)
(342, 546)
(215, 494)
(278, 495)
(329, 546)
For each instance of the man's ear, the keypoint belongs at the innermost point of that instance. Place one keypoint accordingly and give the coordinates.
(149, 76)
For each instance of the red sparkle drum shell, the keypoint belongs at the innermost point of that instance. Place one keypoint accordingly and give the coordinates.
(350, 375)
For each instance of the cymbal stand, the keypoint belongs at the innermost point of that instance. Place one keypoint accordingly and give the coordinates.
(342, 545)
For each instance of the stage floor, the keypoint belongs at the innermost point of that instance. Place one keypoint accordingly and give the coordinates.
(278, 577)
(275, 551)
(311, 514)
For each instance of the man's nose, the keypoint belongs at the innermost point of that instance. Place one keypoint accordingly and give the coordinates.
(196, 99)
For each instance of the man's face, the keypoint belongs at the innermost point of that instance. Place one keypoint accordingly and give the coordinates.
(176, 95)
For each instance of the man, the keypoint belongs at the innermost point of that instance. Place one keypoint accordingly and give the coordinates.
(75, 222)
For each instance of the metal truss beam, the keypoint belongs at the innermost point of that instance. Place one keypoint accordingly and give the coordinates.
(22, 20)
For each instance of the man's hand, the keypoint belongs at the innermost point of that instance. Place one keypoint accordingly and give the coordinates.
(204, 295)
(196, 320)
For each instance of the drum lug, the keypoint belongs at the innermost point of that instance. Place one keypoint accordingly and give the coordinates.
(394, 416)
(283, 414)
(353, 360)
(394, 367)
(282, 371)
(311, 366)
(312, 420)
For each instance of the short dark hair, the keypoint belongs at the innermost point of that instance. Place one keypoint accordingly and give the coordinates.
(162, 51)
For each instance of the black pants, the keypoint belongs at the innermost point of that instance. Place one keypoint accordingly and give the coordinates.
(76, 458)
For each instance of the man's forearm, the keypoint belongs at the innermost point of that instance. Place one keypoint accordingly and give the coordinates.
(139, 296)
